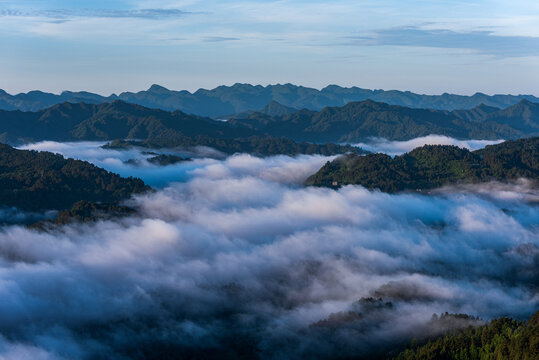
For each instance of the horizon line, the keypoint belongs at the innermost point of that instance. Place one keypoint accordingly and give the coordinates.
(258, 85)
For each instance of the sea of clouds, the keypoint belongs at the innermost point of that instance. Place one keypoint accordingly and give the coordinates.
(400, 147)
(235, 258)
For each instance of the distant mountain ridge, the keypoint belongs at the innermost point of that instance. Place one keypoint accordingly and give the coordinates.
(303, 131)
(359, 121)
(147, 127)
(238, 98)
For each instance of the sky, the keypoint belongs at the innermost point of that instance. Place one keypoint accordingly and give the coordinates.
(425, 46)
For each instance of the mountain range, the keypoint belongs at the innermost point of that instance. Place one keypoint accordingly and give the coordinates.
(238, 98)
(263, 133)
(359, 121)
(146, 127)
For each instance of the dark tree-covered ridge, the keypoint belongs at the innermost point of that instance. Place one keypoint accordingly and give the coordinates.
(280, 130)
(432, 166)
(359, 121)
(32, 180)
(151, 127)
(501, 339)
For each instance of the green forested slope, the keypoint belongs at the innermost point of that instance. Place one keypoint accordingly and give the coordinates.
(359, 121)
(32, 180)
(151, 127)
(501, 339)
(432, 166)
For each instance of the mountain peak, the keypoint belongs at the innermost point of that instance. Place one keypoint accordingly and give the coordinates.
(486, 108)
(524, 102)
(275, 108)
(158, 89)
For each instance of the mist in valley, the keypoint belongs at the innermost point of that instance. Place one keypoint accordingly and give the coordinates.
(234, 257)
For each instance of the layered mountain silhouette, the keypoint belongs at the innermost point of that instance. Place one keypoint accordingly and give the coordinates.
(262, 133)
(358, 121)
(147, 127)
(116, 120)
(239, 98)
(274, 108)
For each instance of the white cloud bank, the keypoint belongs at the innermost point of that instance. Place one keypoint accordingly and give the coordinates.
(401, 147)
(239, 260)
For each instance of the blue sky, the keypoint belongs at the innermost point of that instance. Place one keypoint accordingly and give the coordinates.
(431, 47)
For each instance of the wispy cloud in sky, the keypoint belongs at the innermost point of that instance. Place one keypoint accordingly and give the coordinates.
(219, 38)
(441, 46)
(96, 13)
(485, 42)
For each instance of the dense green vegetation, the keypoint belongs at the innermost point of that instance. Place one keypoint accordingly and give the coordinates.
(117, 120)
(166, 159)
(432, 166)
(277, 128)
(501, 339)
(32, 180)
(226, 100)
(151, 128)
(256, 145)
(358, 121)
(86, 211)
(157, 159)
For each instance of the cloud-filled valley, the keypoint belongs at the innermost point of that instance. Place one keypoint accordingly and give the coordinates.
(234, 257)
(400, 147)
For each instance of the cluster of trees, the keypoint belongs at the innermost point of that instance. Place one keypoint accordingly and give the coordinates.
(256, 145)
(432, 166)
(36, 181)
(166, 159)
(86, 211)
(501, 339)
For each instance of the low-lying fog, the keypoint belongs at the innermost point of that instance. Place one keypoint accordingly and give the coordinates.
(235, 257)
(400, 147)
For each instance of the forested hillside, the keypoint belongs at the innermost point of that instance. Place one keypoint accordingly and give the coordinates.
(432, 166)
(502, 338)
(359, 121)
(31, 180)
(152, 128)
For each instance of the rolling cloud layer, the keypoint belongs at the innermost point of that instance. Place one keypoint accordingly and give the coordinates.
(238, 259)
(400, 147)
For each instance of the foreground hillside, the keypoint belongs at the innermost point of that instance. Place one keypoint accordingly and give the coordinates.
(359, 121)
(502, 338)
(36, 181)
(226, 100)
(152, 128)
(432, 166)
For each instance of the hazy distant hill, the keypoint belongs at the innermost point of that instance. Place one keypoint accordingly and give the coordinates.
(274, 108)
(226, 100)
(358, 121)
(432, 166)
(151, 127)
